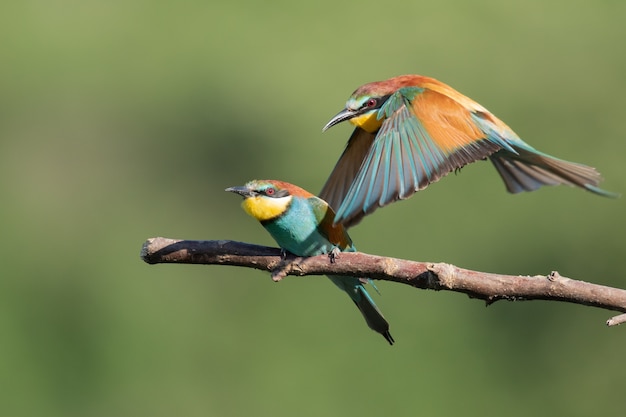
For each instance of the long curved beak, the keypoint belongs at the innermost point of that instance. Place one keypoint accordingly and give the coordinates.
(243, 191)
(342, 116)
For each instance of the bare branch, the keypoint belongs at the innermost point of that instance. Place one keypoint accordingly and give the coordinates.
(425, 275)
(614, 321)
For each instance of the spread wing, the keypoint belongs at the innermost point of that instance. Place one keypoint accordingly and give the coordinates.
(426, 134)
(347, 167)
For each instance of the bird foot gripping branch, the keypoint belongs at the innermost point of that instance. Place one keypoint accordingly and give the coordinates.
(333, 255)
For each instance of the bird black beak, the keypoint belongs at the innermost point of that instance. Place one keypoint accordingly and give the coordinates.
(342, 116)
(245, 192)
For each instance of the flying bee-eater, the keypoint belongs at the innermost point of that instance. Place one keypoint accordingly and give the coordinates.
(302, 224)
(412, 130)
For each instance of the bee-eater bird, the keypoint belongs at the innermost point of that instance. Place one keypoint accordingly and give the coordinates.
(302, 224)
(412, 130)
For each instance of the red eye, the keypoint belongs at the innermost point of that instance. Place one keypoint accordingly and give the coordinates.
(371, 102)
(269, 191)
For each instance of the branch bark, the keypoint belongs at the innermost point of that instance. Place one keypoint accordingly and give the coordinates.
(425, 275)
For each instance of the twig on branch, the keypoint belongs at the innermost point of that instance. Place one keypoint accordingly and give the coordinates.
(434, 276)
(614, 321)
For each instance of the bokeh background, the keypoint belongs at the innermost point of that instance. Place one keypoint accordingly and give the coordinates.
(121, 121)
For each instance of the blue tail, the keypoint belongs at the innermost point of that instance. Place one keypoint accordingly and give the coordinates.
(372, 315)
(528, 169)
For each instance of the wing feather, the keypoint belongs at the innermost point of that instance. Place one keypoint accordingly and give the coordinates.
(425, 135)
(345, 170)
(325, 216)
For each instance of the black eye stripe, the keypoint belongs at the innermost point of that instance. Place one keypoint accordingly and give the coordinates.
(373, 103)
(274, 193)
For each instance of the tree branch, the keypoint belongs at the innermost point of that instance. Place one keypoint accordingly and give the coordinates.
(425, 275)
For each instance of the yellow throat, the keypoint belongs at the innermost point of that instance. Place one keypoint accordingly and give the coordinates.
(367, 121)
(265, 208)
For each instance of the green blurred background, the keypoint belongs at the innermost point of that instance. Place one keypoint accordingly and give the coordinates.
(121, 121)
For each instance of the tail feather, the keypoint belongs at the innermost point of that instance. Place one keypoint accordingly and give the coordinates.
(372, 315)
(529, 169)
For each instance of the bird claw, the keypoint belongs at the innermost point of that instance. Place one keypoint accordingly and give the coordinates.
(333, 255)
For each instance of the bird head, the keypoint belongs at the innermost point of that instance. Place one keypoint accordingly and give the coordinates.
(267, 199)
(362, 108)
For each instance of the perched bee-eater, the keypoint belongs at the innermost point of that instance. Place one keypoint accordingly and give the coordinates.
(412, 130)
(302, 224)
